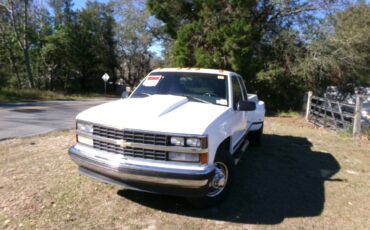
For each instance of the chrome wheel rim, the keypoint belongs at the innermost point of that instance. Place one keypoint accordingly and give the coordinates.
(219, 181)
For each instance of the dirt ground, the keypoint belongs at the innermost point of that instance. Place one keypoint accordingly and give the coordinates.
(300, 178)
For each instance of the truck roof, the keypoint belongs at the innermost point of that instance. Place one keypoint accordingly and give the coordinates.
(195, 70)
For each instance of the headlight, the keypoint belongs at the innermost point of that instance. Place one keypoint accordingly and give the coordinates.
(186, 157)
(198, 142)
(193, 142)
(179, 141)
(87, 128)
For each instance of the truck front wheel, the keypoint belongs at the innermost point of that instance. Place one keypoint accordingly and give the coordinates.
(221, 182)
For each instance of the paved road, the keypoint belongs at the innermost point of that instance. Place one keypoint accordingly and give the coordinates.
(28, 119)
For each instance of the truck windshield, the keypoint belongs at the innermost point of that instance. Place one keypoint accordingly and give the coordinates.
(200, 87)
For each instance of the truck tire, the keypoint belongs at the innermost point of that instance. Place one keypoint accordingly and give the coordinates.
(221, 183)
(254, 137)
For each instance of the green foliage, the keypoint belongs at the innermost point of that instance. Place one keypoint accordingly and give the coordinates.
(82, 48)
(12, 95)
(68, 51)
(174, 13)
(341, 54)
(229, 35)
(280, 47)
(276, 82)
(217, 37)
(281, 90)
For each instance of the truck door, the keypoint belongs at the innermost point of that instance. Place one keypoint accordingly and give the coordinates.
(239, 118)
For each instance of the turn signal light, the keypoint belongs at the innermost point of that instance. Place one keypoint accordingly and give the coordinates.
(203, 158)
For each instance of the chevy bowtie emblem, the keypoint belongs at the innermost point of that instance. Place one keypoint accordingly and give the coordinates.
(122, 143)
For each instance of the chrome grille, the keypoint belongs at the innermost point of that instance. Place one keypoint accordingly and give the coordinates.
(131, 152)
(145, 138)
(130, 136)
(108, 132)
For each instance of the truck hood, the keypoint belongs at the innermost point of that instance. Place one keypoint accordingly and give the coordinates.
(158, 113)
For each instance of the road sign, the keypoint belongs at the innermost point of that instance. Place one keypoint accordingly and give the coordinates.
(105, 77)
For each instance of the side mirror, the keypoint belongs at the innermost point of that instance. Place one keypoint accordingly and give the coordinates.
(246, 106)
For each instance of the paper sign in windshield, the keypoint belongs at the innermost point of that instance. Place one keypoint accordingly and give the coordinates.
(152, 80)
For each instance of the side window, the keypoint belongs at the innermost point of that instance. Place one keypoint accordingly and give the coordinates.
(237, 93)
(244, 90)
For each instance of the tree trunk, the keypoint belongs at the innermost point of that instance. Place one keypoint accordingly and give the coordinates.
(26, 46)
(15, 69)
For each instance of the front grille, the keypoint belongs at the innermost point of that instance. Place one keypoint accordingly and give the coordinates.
(131, 136)
(108, 132)
(131, 152)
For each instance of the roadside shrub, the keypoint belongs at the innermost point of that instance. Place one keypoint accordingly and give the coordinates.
(279, 90)
(11, 95)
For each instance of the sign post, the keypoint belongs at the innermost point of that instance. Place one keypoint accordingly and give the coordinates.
(105, 78)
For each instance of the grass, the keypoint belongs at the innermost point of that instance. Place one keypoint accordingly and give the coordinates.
(29, 95)
(366, 132)
(289, 113)
(300, 178)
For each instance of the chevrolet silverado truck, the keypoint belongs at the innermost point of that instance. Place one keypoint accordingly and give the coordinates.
(180, 132)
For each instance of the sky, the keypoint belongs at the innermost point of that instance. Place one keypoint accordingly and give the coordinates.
(78, 4)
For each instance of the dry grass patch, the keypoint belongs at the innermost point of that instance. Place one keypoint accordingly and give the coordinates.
(301, 177)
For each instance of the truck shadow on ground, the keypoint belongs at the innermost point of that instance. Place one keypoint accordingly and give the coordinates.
(283, 178)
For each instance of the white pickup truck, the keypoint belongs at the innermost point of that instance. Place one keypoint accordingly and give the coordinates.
(180, 132)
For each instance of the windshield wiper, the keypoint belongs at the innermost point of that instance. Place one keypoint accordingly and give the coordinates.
(195, 98)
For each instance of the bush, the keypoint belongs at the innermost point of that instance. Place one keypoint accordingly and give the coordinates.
(279, 90)
(12, 95)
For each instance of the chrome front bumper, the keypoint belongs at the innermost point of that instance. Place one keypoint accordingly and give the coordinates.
(105, 167)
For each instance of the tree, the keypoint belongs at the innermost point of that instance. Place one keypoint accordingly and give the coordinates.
(276, 81)
(68, 50)
(255, 38)
(135, 35)
(340, 55)
(93, 46)
(8, 48)
(57, 48)
(19, 20)
(82, 47)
